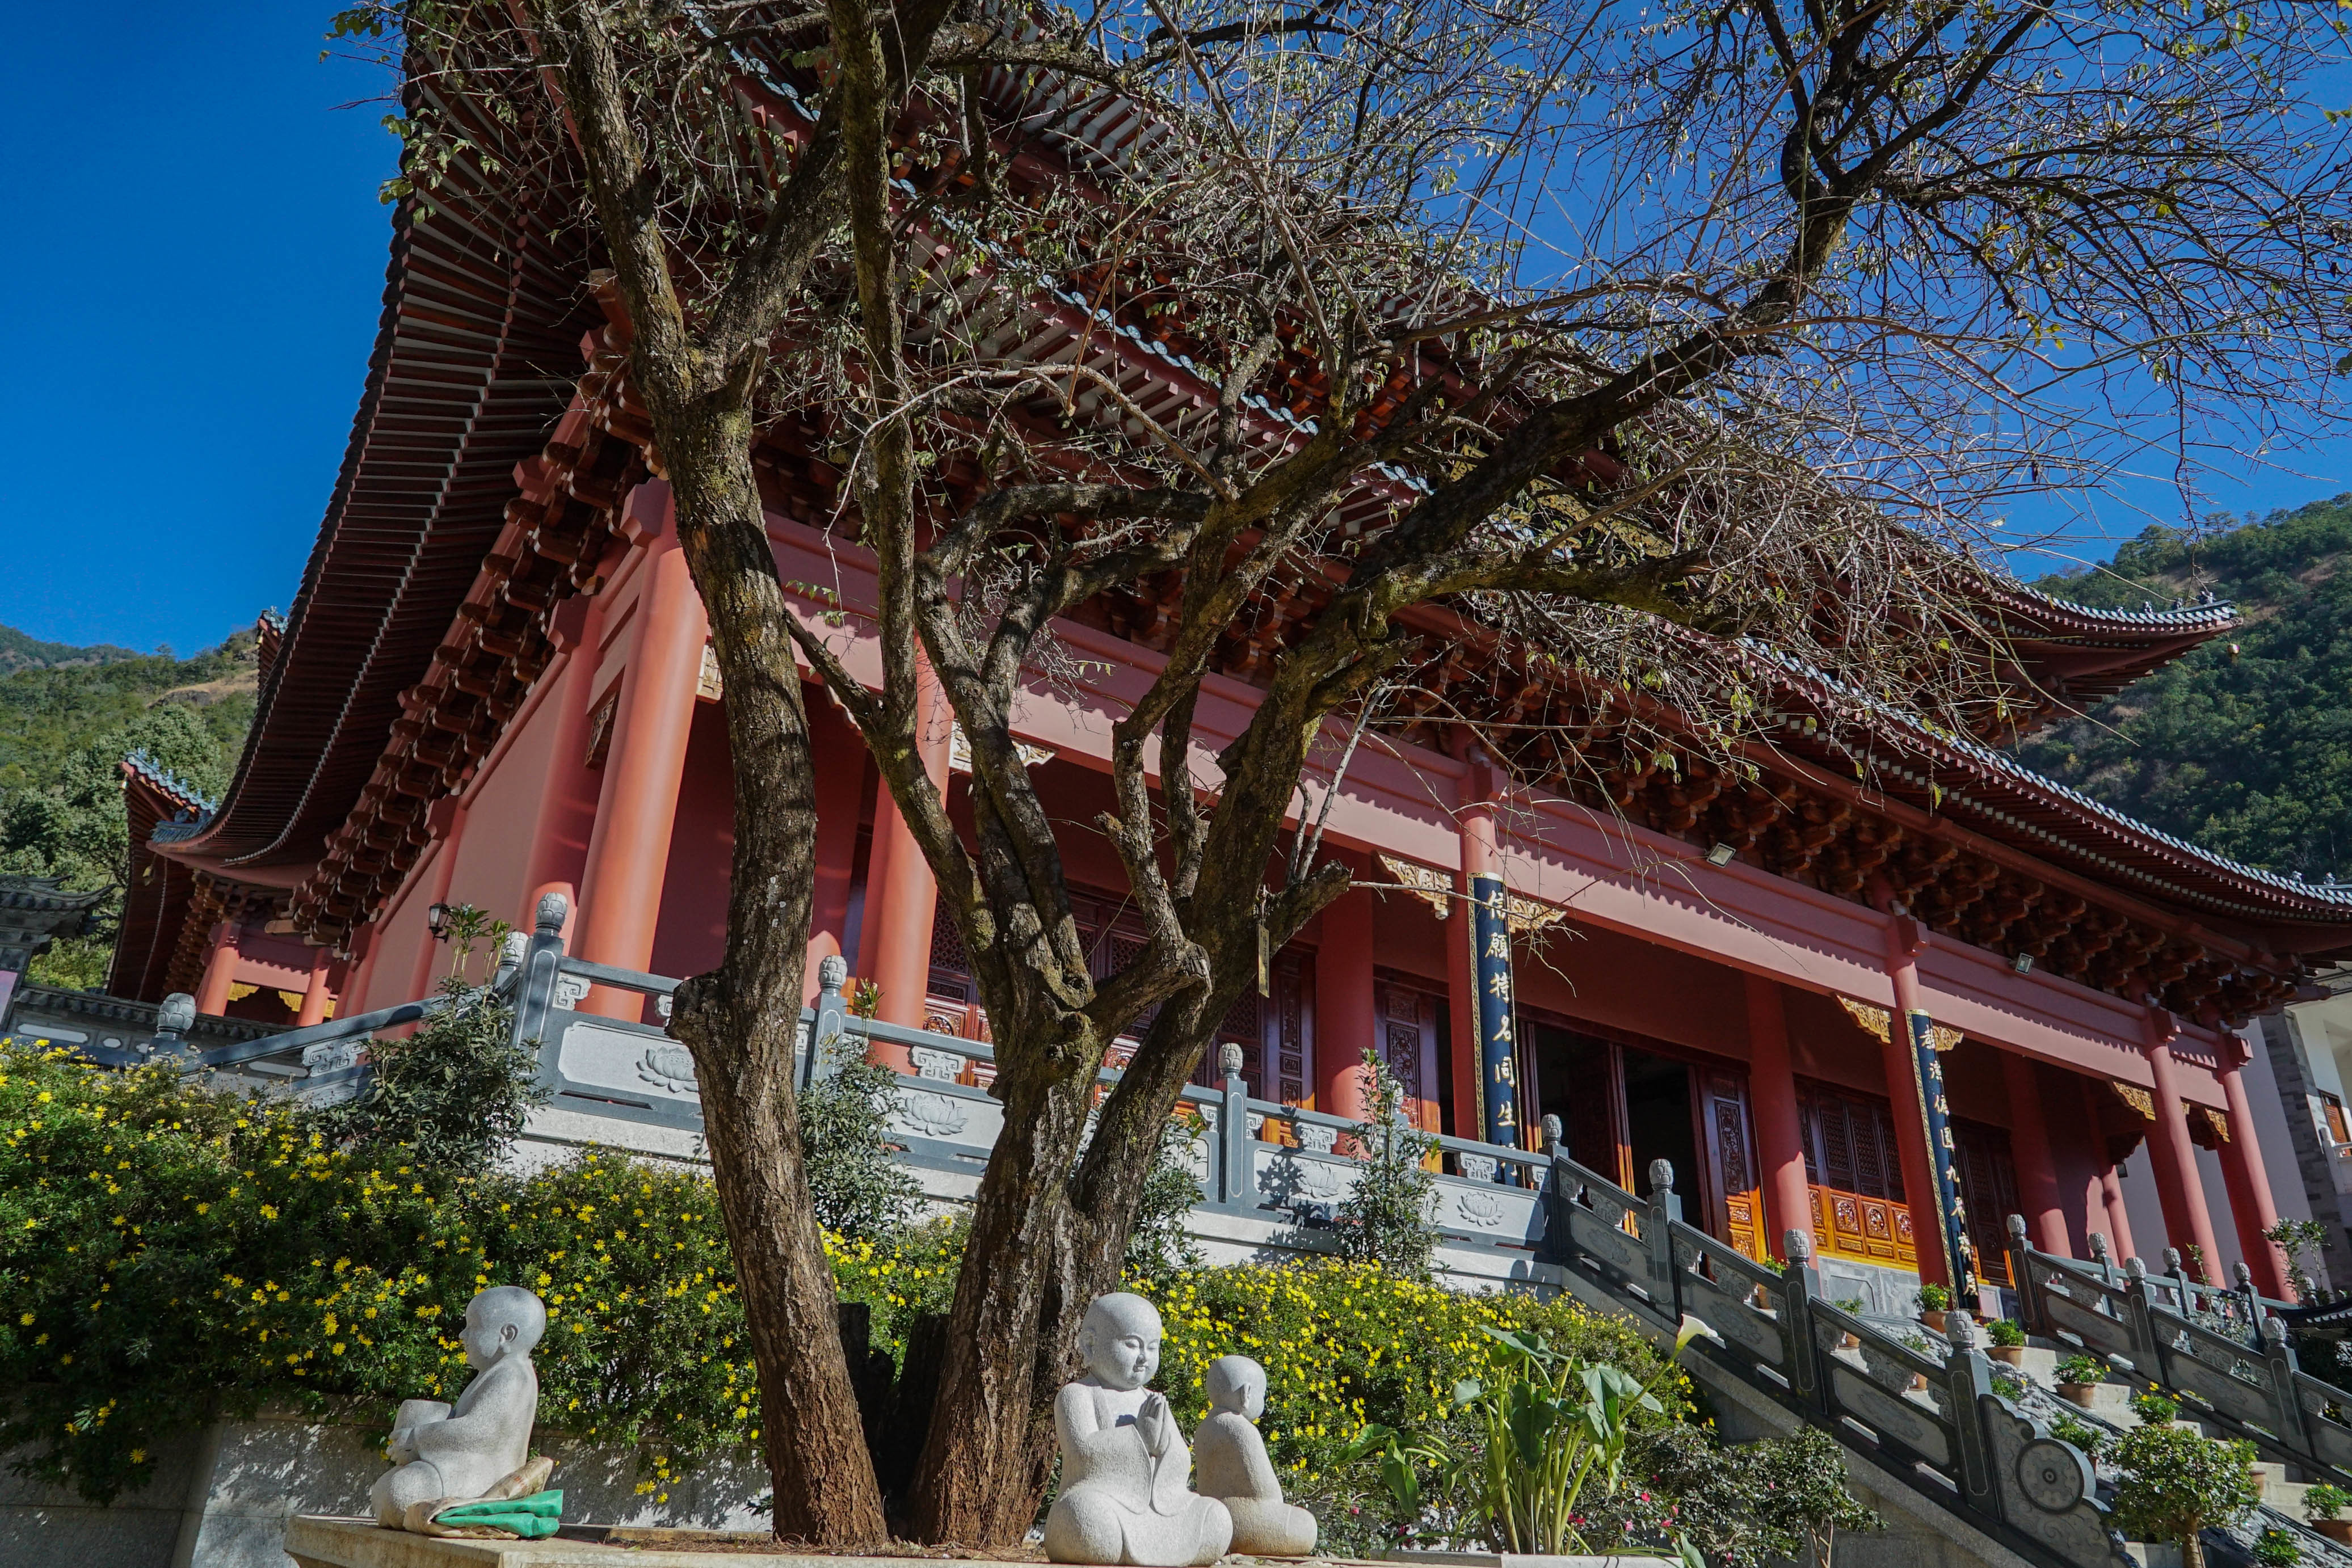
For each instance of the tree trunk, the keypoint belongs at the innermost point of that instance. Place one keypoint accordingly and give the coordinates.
(742, 1020)
(980, 1475)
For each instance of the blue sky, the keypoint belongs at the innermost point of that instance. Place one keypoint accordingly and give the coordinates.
(189, 290)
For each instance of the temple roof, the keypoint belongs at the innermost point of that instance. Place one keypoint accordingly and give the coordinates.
(463, 506)
(476, 352)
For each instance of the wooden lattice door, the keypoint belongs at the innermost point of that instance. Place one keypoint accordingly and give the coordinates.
(1856, 1176)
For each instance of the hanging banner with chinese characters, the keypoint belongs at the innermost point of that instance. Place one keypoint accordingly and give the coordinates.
(1490, 935)
(1959, 1255)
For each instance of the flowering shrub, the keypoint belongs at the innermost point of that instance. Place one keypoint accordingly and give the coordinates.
(170, 1255)
(1346, 1346)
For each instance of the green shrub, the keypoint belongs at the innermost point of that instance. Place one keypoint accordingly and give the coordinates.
(2155, 1408)
(2082, 1369)
(2008, 1388)
(1934, 1298)
(2174, 1483)
(165, 1252)
(1347, 1345)
(2276, 1548)
(456, 1093)
(1384, 1217)
(2006, 1332)
(1780, 1500)
(2324, 1500)
(1159, 1246)
(2082, 1433)
(858, 1190)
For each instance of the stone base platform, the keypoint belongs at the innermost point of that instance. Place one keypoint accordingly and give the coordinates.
(316, 1542)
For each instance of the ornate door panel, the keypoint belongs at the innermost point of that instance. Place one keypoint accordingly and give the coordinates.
(1728, 1146)
(1407, 1019)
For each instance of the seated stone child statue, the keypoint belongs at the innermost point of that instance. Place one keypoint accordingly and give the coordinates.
(456, 1455)
(1126, 1473)
(1235, 1468)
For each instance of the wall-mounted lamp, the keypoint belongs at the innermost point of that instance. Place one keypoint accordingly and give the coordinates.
(1720, 856)
(2022, 963)
(436, 921)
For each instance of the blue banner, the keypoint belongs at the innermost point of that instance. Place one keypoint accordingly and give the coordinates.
(1959, 1255)
(1490, 937)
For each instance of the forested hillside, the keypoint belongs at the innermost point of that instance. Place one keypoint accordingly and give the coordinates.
(19, 652)
(2245, 746)
(67, 722)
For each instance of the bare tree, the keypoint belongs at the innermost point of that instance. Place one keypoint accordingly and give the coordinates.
(1659, 353)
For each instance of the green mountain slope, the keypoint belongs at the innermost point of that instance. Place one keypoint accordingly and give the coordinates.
(2245, 746)
(66, 724)
(20, 652)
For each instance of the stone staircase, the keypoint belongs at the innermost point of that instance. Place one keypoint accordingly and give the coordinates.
(2109, 1410)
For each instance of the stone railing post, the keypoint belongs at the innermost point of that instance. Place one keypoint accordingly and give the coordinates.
(175, 1016)
(2100, 1258)
(2184, 1296)
(2139, 1307)
(1968, 1380)
(2249, 1302)
(534, 994)
(1665, 1210)
(830, 1028)
(1233, 1133)
(2020, 1272)
(511, 955)
(2278, 1360)
(1800, 1287)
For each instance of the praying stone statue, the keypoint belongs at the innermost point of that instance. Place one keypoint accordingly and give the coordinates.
(1126, 1472)
(1235, 1468)
(480, 1447)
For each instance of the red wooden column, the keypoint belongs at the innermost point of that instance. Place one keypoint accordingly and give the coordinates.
(1779, 1130)
(1905, 940)
(2242, 1171)
(902, 896)
(2029, 1146)
(1346, 1025)
(315, 996)
(840, 759)
(566, 820)
(1481, 856)
(2186, 1221)
(220, 968)
(620, 889)
(2117, 1221)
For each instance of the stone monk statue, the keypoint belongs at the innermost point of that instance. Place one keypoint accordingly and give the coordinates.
(447, 1454)
(1126, 1497)
(1235, 1468)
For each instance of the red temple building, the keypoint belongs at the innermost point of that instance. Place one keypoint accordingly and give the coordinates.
(494, 683)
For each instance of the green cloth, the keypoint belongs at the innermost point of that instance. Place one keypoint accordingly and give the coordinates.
(534, 1518)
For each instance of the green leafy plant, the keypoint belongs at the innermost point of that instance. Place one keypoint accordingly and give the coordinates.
(2008, 1388)
(454, 1094)
(858, 1190)
(2006, 1332)
(2300, 1240)
(2276, 1548)
(2174, 1484)
(1384, 1218)
(1159, 1246)
(2325, 1499)
(2154, 1408)
(1744, 1505)
(1934, 1298)
(1540, 1435)
(2091, 1439)
(1849, 1304)
(2082, 1370)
